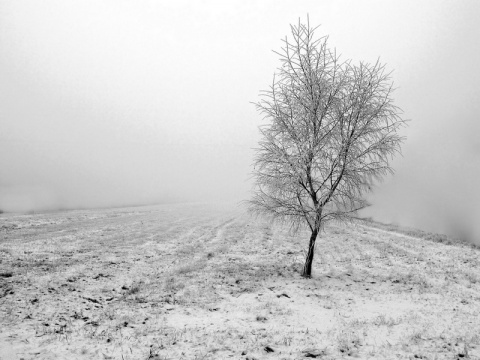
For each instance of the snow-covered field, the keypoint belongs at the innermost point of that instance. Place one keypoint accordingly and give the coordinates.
(207, 282)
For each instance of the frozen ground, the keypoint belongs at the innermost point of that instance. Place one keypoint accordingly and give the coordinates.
(207, 282)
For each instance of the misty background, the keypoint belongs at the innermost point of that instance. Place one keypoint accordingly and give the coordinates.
(111, 103)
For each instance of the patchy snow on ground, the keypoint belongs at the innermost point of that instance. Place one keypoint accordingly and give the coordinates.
(203, 281)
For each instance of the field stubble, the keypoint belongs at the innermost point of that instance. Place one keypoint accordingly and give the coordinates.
(207, 282)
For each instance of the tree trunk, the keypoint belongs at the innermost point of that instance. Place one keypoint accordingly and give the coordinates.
(307, 268)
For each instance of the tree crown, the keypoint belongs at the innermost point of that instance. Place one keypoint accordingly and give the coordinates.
(332, 128)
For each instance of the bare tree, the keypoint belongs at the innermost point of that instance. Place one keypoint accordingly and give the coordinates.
(331, 129)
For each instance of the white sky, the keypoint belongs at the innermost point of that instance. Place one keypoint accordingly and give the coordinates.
(116, 102)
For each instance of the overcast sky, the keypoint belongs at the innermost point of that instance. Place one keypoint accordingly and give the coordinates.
(122, 102)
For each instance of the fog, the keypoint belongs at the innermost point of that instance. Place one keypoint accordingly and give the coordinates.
(111, 103)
